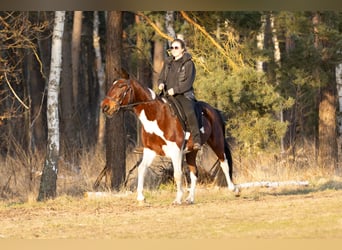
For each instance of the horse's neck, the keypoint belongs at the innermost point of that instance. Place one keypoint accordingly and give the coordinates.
(142, 95)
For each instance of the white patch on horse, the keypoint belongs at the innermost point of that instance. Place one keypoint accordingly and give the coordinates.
(225, 168)
(148, 156)
(153, 94)
(150, 126)
(171, 148)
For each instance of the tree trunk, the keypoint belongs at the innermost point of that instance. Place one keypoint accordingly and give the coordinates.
(49, 176)
(327, 154)
(75, 52)
(169, 20)
(36, 85)
(260, 43)
(327, 136)
(100, 75)
(69, 133)
(115, 130)
(158, 59)
(88, 87)
(143, 57)
(277, 57)
(338, 75)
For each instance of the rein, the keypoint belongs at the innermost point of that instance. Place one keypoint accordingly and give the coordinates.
(127, 106)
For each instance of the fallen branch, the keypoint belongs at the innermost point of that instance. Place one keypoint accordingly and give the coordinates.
(273, 184)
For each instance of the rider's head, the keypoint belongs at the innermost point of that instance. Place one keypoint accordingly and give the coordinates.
(177, 48)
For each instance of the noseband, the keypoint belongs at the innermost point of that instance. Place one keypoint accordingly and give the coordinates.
(130, 104)
(123, 96)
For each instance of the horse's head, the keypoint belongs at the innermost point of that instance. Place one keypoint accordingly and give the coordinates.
(119, 94)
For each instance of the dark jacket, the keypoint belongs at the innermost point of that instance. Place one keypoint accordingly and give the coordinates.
(179, 74)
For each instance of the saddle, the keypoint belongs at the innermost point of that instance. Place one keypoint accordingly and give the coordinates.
(179, 112)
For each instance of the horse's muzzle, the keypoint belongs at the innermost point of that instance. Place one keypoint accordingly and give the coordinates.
(109, 111)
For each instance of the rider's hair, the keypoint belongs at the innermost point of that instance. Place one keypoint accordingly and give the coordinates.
(182, 43)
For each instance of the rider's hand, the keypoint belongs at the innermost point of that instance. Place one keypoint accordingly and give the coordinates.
(171, 91)
(161, 86)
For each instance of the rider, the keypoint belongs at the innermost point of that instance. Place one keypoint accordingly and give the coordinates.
(177, 78)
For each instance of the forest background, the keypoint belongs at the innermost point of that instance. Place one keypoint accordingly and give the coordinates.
(276, 76)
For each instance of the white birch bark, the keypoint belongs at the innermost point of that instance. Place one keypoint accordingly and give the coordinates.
(277, 58)
(100, 73)
(338, 74)
(50, 171)
(169, 20)
(260, 42)
(53, 88)
(275, 41)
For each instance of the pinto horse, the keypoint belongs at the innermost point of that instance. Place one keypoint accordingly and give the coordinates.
(163, 134)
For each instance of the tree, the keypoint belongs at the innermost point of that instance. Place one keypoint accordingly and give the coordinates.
(115, 136)
(100, 74)
(327, 129)
(69, 131)
(50, 171)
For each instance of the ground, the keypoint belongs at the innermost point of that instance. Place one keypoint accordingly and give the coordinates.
(310, 212)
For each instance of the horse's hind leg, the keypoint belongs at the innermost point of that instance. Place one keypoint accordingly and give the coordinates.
(148, 156)
(226, 165)
(191, 160)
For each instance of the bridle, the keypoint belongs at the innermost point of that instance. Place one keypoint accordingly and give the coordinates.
(129, 90)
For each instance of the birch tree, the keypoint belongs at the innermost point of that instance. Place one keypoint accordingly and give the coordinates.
(277, 57)
(338, 75)
(100, 73)
(169, 20)
(49, 176)
(260, 43)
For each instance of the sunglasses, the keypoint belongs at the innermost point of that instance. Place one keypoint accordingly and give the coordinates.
(175, 48)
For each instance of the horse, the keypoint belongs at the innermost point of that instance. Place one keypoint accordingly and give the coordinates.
(163, 134)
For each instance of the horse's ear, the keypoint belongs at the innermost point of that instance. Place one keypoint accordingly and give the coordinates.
(124, 74)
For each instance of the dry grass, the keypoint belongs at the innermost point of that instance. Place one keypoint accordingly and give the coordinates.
(308, 212)
(293, 213)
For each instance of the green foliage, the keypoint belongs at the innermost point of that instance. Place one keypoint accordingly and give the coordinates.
(250, 103)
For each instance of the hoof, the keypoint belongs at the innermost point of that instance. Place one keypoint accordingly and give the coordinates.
(141, 203)
(189, 202)
(175, 203)
(237, 192)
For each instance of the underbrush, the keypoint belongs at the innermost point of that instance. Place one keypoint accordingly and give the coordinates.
(20, 175)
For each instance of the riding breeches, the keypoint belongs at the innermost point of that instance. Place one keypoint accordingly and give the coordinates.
(191, 120)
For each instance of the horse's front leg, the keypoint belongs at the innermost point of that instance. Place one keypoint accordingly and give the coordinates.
(191, 160)
(178, 176)
(148, 156)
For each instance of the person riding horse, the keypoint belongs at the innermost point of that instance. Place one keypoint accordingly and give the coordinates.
(177, 78)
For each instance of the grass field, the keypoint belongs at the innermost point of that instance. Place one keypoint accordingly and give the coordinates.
(291, 212)
(310, 212)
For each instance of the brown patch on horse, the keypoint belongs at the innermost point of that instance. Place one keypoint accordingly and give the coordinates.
(153, 141)
(164, 119)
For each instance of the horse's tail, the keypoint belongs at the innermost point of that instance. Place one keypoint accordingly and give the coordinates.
(227, 150)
